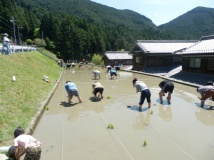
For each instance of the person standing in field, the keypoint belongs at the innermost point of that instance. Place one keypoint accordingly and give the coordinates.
(206, 92)
(96, 74)
(7, 43)
(145, 92)
(72, 91)
(29, 144)
(97, 88)
(166, 86)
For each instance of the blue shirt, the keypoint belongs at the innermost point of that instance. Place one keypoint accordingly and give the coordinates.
(117, 67)
(70, 86)
(112, 71)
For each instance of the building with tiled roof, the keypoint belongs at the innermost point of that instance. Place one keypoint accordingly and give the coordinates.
(115, 58)
(157, 53)
(199, 57)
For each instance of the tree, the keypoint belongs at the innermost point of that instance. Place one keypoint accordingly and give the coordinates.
(39, 42)
(97, 59)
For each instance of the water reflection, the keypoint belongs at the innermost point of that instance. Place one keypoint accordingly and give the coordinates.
(205, 116)
(142, 121)
(165, 112)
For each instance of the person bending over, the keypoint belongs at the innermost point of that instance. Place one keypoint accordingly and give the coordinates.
(72, 90)
(108, 68)
(80, 65)
(117, 68)
(68, 66)
(29, 144)
(96, 74)
(73, 65)
(113, 73)
(206, 92)
(166, 86)
(97, 88)
(145, 92)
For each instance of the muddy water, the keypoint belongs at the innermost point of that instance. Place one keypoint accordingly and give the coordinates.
(181, 130)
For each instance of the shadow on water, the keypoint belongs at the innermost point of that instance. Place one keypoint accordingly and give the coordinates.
(66, 104)
(94, 100)
(136, 108)
(206, 107)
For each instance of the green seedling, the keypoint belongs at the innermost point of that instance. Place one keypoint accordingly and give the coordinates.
(47, 108)
(151, 111)
(144, 142)
(108, 97)
(111, 126)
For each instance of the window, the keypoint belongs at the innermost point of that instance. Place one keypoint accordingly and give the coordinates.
(194, 62)
(129, 62)
(137, 59)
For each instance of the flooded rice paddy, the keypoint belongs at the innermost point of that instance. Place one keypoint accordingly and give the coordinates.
(179, 131)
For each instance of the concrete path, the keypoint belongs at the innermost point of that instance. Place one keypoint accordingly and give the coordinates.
(79, 131)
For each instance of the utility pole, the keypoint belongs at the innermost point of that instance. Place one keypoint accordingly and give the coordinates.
(19, 35)
(13, 20)
(72, 31)
(42, 34)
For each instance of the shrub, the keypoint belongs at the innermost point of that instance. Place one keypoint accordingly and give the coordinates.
(97, 59)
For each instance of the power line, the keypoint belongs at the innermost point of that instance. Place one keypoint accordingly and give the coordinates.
(6, 29)
(6, 24)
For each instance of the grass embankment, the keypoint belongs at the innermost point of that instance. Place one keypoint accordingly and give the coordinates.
(20, 100)
(49, 54)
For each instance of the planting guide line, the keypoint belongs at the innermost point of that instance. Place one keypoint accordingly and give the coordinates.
(117, 137)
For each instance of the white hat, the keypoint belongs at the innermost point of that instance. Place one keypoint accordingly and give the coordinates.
(6, 34)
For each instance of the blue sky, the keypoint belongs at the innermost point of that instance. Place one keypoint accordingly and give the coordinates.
(159, 11)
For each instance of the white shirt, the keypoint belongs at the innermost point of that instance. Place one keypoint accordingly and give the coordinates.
(73, 63)
(26, 141)
(6, 40)
(140, 86)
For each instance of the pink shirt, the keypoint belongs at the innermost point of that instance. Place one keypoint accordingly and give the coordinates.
(26, 141)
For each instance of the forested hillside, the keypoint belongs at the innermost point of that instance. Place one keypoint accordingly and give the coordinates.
(93, 12)
(192, 25)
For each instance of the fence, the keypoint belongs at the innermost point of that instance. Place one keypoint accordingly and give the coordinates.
(14, 49)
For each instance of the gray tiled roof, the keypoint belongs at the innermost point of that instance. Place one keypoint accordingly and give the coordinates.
(111, 55)
(163, 46)
(201, 47)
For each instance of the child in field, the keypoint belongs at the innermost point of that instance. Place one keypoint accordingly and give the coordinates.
(117, 68)
(166, 86)
(113, 73)
(30, 145)
(98, 88)
(145, 92)
(72, 91)
(96, 74)
(108, 68)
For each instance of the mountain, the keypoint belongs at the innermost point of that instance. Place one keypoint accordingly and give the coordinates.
(93, 12)
(192, 25)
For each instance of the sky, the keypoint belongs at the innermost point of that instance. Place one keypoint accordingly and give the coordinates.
(159, 11)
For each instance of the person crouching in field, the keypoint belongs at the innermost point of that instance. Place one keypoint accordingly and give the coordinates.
(72, 91)
(117, 68)
(166, 86)
(113, 73)
(97, 88)
(108, 68)
(206, 92)
(29, 144)
(73, 65)
(145, 92)
(96, 74)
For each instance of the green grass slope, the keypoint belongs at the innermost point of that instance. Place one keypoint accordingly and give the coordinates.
(193, 24)
(20, 100)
